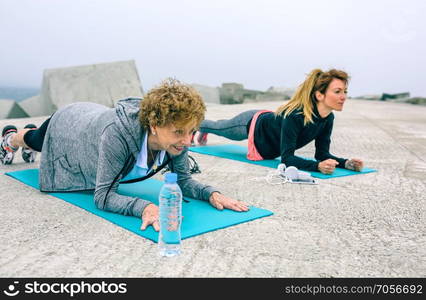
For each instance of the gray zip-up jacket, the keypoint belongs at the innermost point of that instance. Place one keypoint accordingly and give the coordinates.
(90, 146)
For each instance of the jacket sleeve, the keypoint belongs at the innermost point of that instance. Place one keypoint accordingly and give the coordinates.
(190, 187)
(291, 128)
(113, 154)
(322, 145)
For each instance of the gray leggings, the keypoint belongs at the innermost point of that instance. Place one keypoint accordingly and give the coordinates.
(234, 129)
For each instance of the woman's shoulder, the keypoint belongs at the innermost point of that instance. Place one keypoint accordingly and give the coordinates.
(295, 115)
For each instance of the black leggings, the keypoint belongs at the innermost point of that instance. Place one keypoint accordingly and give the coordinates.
(34, 138)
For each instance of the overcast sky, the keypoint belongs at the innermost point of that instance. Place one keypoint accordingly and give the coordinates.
(381, 44)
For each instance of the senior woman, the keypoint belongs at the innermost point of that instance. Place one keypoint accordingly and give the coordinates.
(86, 146)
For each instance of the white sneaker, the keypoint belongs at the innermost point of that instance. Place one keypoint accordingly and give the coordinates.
(7, 152)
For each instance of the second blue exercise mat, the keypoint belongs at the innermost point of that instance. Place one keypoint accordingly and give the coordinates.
(199, 216)
(239, 153)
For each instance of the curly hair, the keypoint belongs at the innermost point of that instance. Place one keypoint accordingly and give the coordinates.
(171, 102)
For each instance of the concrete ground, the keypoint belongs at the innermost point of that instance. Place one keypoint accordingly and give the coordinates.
(370, 225)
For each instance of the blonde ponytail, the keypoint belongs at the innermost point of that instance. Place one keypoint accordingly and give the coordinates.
(302, 98)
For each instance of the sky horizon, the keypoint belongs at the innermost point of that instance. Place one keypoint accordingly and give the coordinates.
(381, 44)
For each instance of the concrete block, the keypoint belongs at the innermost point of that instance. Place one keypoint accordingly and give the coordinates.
(209, 94)
(35, 106)
(9, 109)
(104, 83)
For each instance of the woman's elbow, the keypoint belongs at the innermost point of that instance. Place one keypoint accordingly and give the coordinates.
(285, 159)
(100, 200)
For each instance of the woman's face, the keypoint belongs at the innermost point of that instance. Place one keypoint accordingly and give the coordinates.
(173, 138)
(334, 97)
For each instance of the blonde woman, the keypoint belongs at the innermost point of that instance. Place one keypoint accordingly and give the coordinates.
(306, 117)
(87, 146)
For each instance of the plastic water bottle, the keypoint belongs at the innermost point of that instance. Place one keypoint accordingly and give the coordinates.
(170, 200)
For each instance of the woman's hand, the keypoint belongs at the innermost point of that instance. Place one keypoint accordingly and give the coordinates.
(327, 166)
(354, 164)
(150, 217)
(220, 202)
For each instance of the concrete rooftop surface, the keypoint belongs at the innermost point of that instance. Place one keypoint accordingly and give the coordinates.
(370, 225)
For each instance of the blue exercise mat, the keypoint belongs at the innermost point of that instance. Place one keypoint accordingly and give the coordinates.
(199, 216)
(239, 153)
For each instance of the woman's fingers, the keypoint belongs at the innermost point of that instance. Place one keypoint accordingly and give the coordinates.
(359, 163)
(218, 205)
(233, 206)
(236, 205)
(243, 206)
(156, 225)
(355, 164)
(331, 162)
(150, 217)
(150, 221)
(330, 168)
(327, 166)
(144, 224)
(334, 162)
(359, 167)
(220, 202)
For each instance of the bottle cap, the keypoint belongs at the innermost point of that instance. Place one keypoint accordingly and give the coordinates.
(170, 177)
